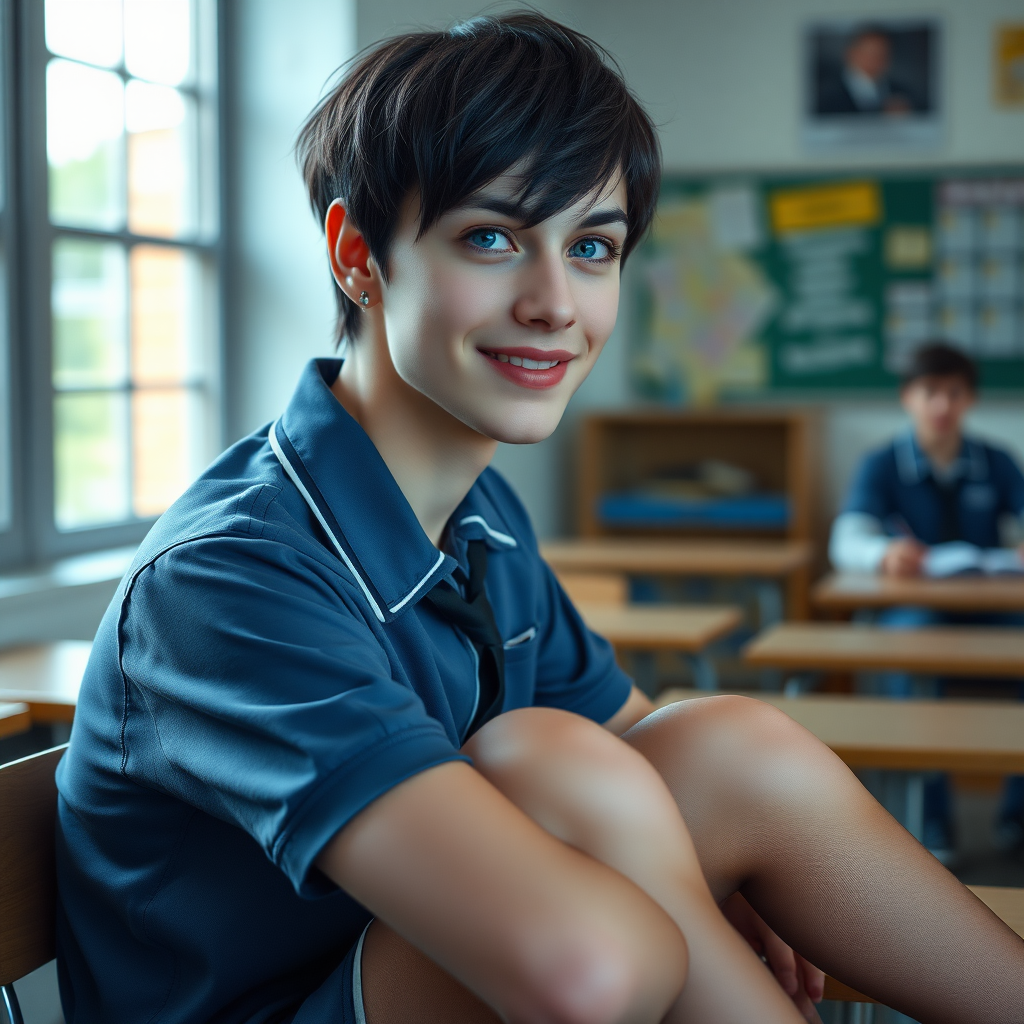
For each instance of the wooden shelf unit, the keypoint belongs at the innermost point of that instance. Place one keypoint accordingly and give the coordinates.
(779, 446)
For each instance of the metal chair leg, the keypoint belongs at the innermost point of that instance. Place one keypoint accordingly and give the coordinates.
(12, 1006)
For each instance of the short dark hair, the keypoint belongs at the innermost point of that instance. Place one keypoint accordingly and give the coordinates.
(939, 359)
(445, 113)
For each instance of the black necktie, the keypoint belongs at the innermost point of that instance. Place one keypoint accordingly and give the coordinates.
(949, 506)
(474, 616)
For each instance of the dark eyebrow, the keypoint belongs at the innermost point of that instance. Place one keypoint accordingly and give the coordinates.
(516, 211)
(613, 215)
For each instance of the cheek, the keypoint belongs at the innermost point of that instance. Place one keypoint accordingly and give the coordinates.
(599, 309)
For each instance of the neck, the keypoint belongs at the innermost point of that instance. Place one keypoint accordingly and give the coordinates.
(434, 458)
(941, 450)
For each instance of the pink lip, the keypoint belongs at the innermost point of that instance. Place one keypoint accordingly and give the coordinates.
(537, 379)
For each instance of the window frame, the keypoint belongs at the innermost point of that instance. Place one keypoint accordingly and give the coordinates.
(34, 537)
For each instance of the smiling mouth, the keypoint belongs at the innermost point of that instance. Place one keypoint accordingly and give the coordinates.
(523, 361)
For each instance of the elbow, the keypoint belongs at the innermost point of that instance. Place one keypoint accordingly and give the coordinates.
(602, 982)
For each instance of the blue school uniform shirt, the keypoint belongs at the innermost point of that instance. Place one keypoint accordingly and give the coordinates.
(266, 670)
(895, 485)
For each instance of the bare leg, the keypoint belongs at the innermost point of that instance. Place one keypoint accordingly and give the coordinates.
(591, 790)
(775, 814)
(586, 787)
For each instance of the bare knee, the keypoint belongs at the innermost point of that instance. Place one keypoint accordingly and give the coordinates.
(735, 753)
(594, 792)
(577, 780)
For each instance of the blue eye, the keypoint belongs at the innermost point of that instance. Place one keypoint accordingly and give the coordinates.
(589, 249)
(490, 239)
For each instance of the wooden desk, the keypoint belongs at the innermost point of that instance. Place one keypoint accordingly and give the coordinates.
(845, 592)
(643, 557)
(46, 678)
(767, 560)
(935, 650)
(660, 627)
(985, 737)
(14, 719)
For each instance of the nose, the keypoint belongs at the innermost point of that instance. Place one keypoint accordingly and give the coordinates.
(545, 301)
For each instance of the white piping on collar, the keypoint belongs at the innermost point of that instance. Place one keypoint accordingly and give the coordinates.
(396, 608)
(294, 477)
(504, 538)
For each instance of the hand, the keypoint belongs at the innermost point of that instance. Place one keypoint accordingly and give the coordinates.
(800, 980)
(903, 557)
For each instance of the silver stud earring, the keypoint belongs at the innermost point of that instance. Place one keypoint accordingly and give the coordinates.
(364, 298)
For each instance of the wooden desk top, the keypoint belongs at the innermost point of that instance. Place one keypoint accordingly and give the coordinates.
(14, 719)
(47, 678)
(678, 557)
(910, 735)
(670, 627)
(934, 650)
(848, 591)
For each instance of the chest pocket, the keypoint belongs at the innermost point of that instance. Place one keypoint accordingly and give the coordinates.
(979, 496)
(521, 669)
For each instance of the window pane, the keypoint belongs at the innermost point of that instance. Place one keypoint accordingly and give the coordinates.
(89, 314)
(88, 30)
(166, 325)
(157, 39)
(5, 405)
(84, 144)
(164, 424)
(161, 189)
(90, 459)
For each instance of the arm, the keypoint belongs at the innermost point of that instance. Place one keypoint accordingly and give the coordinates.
(858, 544)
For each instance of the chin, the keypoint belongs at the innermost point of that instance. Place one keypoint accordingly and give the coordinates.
(520, 426)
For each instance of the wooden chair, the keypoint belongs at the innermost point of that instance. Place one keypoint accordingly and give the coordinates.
(28, 881)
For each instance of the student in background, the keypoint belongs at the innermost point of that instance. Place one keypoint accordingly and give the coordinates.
(931, 485)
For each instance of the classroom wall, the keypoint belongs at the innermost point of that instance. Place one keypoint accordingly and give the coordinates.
(282, 299)
(722, 80)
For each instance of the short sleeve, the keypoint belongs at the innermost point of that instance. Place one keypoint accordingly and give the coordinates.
(869, 489)
(257, 693)
(576, 668)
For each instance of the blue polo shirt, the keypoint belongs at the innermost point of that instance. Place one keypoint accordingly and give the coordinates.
(896, 485)
(266, 670)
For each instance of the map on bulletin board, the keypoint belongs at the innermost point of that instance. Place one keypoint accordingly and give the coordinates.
(806, 283)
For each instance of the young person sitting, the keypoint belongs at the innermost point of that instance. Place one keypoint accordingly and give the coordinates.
(345, 751)
(931, 485)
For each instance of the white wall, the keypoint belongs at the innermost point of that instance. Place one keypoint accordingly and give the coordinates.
(285, 53)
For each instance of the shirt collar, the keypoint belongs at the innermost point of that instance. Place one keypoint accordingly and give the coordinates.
(913, 465)
(349, 488)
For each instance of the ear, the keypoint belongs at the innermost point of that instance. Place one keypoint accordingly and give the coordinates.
(351, 264)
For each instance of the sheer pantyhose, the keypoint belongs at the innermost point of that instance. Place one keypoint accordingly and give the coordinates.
(773, 814)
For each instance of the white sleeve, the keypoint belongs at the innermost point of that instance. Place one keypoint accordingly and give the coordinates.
(857, 543)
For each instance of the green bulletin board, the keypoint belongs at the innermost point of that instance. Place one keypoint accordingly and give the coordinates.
(807, 283)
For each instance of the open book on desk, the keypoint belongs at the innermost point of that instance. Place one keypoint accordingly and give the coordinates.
(958, 558)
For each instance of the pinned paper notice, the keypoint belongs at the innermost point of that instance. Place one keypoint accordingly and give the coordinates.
(736, 223)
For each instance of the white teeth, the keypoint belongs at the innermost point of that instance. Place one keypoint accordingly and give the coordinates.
(527, 364)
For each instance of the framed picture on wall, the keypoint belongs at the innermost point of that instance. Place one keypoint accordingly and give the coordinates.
(872, 85)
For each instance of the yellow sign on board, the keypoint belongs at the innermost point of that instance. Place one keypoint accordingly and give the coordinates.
(854, 203)
(1009, 66)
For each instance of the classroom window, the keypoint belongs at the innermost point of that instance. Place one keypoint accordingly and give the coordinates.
(126, 289)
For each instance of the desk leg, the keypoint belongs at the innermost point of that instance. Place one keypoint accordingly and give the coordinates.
(796, 685)
(705, 675)
(858, 1013)
(914, 804)
(770, 606)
